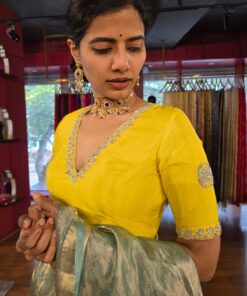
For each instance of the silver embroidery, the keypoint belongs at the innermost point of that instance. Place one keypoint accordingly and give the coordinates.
(200, 233)
(205, 176)
(70, 160)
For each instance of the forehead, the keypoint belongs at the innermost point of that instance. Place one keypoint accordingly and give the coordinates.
(125, 22)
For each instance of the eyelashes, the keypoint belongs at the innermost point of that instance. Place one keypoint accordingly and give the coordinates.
(135, 49)
(102, 51)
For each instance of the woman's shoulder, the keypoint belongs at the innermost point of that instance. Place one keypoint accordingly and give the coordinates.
(169, 120)
(165, 114)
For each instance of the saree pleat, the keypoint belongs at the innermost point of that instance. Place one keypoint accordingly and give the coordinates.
(108, 260)
(236, 150)
(242, 149)
(215, 140)
(201, 115)
(229, 146)
(208, 125)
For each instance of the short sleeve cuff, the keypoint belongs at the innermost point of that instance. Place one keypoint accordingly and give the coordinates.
(200, 233)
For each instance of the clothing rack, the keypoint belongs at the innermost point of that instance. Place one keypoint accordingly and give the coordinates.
(202, 83)
(216, 107)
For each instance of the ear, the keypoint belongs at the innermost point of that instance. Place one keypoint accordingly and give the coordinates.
(74, 51)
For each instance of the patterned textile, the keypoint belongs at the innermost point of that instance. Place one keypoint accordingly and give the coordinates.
(107, 260)
(221, 125)
(229, 147)
(215, 139)
(242, 150)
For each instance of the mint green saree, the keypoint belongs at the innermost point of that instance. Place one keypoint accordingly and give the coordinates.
(105, 260)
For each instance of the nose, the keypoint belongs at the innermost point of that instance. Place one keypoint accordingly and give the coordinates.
(120, 62)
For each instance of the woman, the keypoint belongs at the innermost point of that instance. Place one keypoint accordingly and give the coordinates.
(120, 161)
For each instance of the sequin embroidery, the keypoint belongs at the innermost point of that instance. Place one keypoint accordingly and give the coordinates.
(205, 176)
(200, 233)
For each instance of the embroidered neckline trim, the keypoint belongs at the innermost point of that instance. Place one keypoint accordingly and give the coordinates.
(71, 154)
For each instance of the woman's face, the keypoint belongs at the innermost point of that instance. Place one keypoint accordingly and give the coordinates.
(112, 53)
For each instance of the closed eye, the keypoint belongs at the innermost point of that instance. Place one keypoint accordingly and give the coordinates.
(134, 49)
(102, 50)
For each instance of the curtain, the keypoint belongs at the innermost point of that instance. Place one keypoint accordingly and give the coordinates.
(67, 103)
(219, 118)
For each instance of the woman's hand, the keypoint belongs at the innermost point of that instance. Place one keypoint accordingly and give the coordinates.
(47, 205)
(37, 239)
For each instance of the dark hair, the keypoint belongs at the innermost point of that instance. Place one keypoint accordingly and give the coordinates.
(152, 99)
(81, 13)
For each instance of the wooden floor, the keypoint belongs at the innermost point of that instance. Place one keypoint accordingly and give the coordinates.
(230, 278)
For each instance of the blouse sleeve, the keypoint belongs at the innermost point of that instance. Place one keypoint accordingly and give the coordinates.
(187, 180)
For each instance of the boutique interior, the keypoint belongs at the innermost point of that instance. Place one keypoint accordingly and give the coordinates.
(196, 61)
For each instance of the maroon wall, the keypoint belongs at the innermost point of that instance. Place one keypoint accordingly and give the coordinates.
(213, 46)
(13, 155)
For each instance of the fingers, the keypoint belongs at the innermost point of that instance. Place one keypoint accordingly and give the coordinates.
(20, 242)
(35, 234)
(37, 238)
(24, 222)
(35, 213)
(46, 204)
(49, 255)
(28, 238)
(44, 240)
(51, 252)
(51, 199)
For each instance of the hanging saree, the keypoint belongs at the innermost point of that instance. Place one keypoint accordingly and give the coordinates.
(221, 125)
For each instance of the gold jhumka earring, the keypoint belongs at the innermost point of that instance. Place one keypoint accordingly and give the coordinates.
(79, 81)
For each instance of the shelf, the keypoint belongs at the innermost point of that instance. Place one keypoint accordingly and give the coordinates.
(11, 140)
(12, 201)
(7, 76)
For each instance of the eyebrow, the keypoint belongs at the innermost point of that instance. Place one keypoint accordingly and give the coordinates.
(113, 41)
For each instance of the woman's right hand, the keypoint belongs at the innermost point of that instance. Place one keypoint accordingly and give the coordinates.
(37, 238)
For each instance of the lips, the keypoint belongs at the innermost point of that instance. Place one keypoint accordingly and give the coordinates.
(119, 83)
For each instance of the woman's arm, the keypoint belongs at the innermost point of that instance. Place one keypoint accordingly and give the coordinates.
(205, 254)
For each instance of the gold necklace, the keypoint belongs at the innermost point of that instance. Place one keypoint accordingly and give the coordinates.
(104, 106)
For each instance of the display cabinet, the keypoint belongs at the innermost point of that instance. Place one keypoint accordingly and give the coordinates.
(13, 152)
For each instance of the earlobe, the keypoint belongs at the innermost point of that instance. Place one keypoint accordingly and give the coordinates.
(74, 51)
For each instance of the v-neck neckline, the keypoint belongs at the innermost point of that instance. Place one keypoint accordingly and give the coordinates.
(71, 154)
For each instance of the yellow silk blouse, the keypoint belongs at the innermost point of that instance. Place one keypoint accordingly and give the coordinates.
(152, 159)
